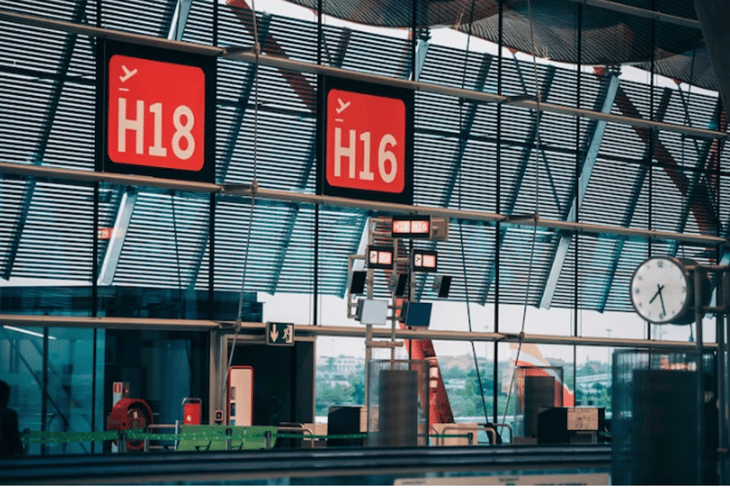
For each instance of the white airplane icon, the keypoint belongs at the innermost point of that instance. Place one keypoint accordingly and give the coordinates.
(343, 105)
(127, 74)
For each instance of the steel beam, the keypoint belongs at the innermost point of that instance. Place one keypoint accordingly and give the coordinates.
(465, 129)
(643, 171)
(291, 218)
(515, 190)
(701, 206)
(179, 20)
(257, 329)
(706, 155)
(245, 191)
(114, 248)
(589, 162)
(128, 197)
(306, 67)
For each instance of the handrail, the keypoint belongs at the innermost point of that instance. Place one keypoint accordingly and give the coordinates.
(133, 468)
(297, 429)
(506, 425)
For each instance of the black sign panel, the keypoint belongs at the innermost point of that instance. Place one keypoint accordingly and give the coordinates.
(366, 141)
(155, 112)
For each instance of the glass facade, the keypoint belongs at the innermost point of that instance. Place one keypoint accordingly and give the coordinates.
(557, 188)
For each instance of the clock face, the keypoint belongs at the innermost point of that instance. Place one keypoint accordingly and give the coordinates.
(660, 290)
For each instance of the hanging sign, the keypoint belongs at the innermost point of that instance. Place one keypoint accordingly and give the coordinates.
(155, 112)
(368, 141)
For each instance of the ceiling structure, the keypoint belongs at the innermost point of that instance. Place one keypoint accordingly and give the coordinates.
(612, 32)
(163, 239)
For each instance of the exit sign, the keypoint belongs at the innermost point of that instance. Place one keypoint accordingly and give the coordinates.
(280, 334)
(368, 141)
(155, 112)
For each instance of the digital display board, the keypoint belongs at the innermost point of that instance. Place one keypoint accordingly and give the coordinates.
(155, 112)
(380, 257)
(424, 260)
(411, 227)
(367, 131)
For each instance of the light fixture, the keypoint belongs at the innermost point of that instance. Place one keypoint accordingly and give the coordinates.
(25, 331)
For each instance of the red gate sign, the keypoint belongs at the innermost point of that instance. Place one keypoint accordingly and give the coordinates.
(366, 136)
(367, 151)
(156, 113)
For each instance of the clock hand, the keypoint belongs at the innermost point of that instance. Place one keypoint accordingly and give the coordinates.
(658, 293)
(661, 298)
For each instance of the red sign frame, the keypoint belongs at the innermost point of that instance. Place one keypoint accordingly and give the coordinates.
(366, 141)
(148, 122)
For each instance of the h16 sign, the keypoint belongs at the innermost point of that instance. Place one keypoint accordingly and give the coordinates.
(157, 110)
(368, 132)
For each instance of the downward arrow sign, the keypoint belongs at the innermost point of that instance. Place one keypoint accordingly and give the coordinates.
(274, 333)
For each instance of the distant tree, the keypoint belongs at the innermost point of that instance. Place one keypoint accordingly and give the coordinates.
(357, 387)
(331, 396)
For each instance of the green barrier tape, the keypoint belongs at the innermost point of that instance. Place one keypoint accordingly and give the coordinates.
(323, 437)
(49, 437)
(455, 435)
(52, 437)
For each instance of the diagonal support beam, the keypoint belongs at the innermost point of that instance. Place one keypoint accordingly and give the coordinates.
(515, 193)
(465, 129)
(628, 218)
(127, 196)
(114, 248)
(588, 165)
(180, 19)
(708, 155)
(42, 146)
(467, 124)
(701, 205)
(336, 58)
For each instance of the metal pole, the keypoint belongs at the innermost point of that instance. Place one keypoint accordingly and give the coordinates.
(368, 327)
(44, 390)
(699, 309)
(723, 300)
(720, 320)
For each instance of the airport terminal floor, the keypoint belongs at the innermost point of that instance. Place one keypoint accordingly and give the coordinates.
(404, 242)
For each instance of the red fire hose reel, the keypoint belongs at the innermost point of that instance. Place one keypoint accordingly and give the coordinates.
(130, 414)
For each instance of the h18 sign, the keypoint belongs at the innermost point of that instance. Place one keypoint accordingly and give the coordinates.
(156, 112)
(368, 141)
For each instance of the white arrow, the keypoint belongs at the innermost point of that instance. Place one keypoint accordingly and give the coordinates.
(343, 106)
(127, 74)
(274, 333)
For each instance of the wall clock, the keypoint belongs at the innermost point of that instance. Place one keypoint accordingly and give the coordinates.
(662, 290)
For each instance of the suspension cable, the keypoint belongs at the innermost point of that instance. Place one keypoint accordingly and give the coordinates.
(462, 138)
(537, 210)
(254, 188)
